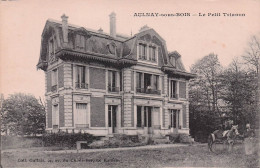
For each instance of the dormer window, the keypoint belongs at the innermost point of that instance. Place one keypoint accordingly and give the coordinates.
(52, 45)
(173, 61)
(142, 51)
(147, 52)
(80, 42)
(152, 53)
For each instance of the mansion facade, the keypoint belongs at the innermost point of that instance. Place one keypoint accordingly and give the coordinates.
(109, 83)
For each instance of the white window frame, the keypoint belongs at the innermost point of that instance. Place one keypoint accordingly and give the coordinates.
(148, 59)
(87, 114)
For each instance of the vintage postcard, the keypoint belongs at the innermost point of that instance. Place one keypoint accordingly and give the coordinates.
(129, 83)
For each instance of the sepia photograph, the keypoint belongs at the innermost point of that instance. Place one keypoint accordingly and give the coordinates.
(145, 84)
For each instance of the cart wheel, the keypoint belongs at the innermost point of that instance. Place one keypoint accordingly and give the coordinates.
(219, 147)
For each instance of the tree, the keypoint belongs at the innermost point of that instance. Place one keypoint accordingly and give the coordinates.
(239, 93)
(205, 113)
(22, 114)
(252, 54)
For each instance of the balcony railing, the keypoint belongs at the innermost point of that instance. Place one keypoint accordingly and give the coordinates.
(113, 89)
(174, 96)
(81, 85)
(148, 91)
(54, 88)
(82, 125)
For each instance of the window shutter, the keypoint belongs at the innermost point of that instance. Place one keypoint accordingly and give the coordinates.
(184, 116)
(49, 114)
(182, 91)
(48, 81)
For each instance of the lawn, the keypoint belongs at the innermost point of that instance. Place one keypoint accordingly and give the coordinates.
(187, 156)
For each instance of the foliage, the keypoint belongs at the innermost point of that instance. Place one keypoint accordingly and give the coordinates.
(64, 139)
(220, 94)
(180, 138)
(22, 114)
(204, 94)
(12, 142)
(119, 140)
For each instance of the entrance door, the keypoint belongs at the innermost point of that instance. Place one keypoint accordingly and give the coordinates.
(112, 119)
(148, 119)
(174, 120)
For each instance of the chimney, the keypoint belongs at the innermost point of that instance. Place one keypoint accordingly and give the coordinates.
(112, 24)
(65, 28)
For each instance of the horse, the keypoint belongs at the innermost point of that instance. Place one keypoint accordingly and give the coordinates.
(220, 135)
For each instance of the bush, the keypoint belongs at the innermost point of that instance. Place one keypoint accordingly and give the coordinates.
(119, 140)
(11, 142)
(180, 138)
(63, 139)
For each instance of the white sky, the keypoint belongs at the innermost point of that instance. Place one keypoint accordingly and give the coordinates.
(193, 37)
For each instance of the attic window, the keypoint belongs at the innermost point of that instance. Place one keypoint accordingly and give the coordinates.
(80, 42)
(52, 45)
(173, 61)
(142, 51)
(147, 52)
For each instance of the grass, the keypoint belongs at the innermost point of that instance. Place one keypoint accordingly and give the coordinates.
(195, 155)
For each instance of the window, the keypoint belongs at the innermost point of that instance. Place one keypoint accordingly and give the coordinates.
(173, 89)
(173, 61)
(54, 80)
(152, 53)
(142, 51)
(81, 115)
(52, 45)
(139, 116)
(156, 82)
(55, 116)
(112, 81)
(147, 83)
(174, 118)
(144, 116)
(80, 41)
(81, 77)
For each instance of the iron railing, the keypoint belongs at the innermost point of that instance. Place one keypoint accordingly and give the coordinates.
(113, 89)
(81, 85)
(148, 91)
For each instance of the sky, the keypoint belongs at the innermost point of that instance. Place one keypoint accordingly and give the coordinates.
(22, 22)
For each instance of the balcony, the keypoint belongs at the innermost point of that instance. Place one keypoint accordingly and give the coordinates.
(113, 89)
(148, 91)
(54, 88)
(81, 85)
(174, 96)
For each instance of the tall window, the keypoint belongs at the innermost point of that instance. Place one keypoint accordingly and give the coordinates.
(112, 82)
(174, 118)
(81, 77)
(81, 115)
(55, 116)
(139, 116)
(173, 61)
(173, 89)
(54, 80)
(147, 83)
(142, 51)
(80, 41)
(52, 45)
(156, 82)
(152, 53)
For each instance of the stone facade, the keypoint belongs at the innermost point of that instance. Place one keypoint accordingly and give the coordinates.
(105, 84)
